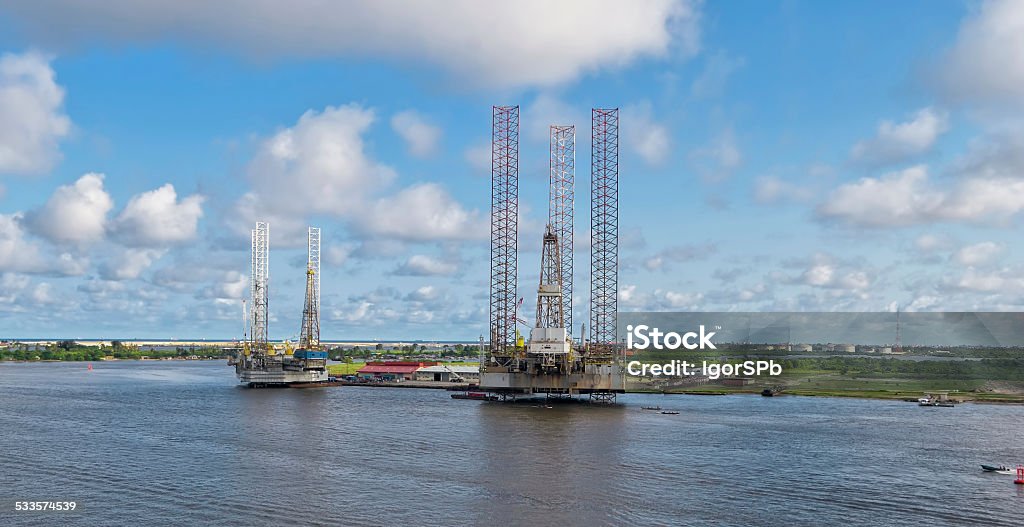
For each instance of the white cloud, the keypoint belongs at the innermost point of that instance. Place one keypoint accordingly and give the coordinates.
(420, 136)
(717, 160)
(824, 271)
(642, 133)
(230, 285)
(896, 142)
(667, 258)
(420, 213)
(906, 198)
(319, 165)
(717, 70)
(74, 214)
(977, 254)
(481, 42)
(336, 255)
(985, 63)
(927, 243)
(32, 121)
(128, 264)
(156, 218)
(545, 110)
(423, 265)
(771, 189)
(17, 253)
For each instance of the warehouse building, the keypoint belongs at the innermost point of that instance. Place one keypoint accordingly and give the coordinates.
(445, 373)
(391, 371)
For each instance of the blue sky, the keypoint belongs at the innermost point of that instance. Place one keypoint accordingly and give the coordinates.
(775, 156)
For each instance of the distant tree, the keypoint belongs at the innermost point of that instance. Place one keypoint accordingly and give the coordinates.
(67, 345)
(379, 346)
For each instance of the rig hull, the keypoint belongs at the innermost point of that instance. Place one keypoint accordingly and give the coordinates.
(594, 379)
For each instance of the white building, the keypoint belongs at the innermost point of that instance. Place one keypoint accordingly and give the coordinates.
(445, 373)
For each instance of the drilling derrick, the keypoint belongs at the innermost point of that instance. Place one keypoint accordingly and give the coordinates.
(261, 364)
(309, 336)
(504, 231)
(604, 229)
(549, 346)
(560, 209)
(310, 356)
(549, 293)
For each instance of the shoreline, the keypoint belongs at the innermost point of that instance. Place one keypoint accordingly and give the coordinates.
(902, 395)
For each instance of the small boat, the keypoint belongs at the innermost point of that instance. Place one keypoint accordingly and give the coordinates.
(669, 413)
(997, 470)
(650, 408)
(770, 392)
(936, 401)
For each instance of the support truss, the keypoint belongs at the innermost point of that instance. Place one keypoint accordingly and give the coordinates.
(604, 226)
(259, 280)
(504, 230)
(560, 209)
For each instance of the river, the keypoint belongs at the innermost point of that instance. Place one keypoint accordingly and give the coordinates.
(178, 443)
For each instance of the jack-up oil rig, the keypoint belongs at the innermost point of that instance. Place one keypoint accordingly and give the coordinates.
(260, 363)
(551, 363)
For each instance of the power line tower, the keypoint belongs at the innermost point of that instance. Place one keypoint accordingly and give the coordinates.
(259, 280)
(504, 231)
(560, 209)
(309, 336)
(604, 231)
(549, 292)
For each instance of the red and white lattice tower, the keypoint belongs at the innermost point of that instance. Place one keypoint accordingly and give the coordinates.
(604, 229)
(504, 230)
(560, 209)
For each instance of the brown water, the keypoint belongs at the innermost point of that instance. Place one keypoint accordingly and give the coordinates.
(159, 443)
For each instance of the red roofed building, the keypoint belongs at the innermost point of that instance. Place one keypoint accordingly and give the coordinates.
(391, 371)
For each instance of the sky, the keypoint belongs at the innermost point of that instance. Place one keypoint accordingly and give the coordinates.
(775, 156)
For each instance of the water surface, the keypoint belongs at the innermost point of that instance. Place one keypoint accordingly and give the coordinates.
(175, 443)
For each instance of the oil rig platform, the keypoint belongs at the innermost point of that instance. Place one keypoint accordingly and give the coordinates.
(551, 363)
(260, 363)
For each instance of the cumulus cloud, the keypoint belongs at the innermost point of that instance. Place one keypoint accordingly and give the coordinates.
(985, 65)
(479, 42)
(75, 213)
(420, 136)
(423, 265)
(318, 165)
(906, 197)
(896, 142)
(32, 120)
(420, 213)
(977, 254)
(17, 253)
(824, 271)
(771, 189)
(128, 264)
(157, 218)
(643, 134)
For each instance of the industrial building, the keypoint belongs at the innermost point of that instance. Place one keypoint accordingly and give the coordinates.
(391, 370)
(445, 373)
